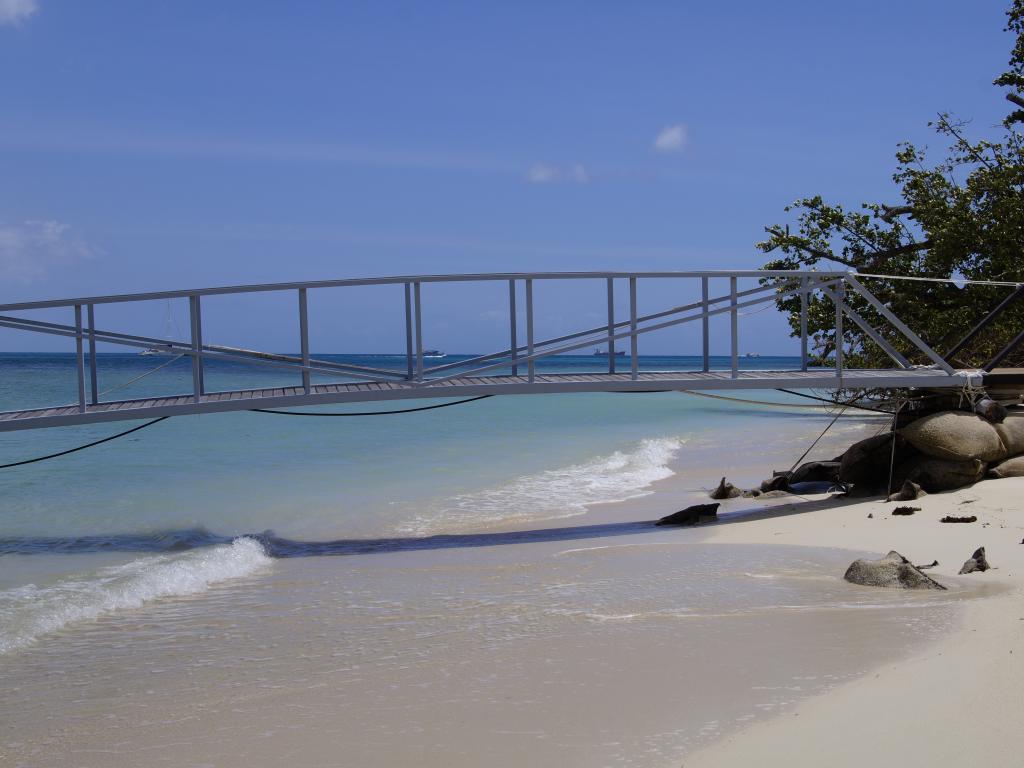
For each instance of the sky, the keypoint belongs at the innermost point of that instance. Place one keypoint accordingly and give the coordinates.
(166, 145)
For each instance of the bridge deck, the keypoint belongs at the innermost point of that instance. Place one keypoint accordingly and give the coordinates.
(468, 386)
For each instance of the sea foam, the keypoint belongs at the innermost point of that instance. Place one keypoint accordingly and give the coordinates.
(555, 493)
(28, 612)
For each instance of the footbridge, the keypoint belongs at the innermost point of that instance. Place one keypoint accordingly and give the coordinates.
(509, 370)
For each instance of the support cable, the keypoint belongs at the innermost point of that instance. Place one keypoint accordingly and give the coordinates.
(83, 447)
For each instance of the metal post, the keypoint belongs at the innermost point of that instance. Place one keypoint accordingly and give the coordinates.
(705, 325)
(80, 357)
(529, 331)
(408, 331)
(611, 325)
(418, 312)
(93, 384)
(735, 321)
(633, 356)
(840, 294)
(196, 334)
(304, 339)
(803, 323)
(512, 322)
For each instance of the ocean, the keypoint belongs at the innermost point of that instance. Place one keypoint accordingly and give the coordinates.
(225, 587)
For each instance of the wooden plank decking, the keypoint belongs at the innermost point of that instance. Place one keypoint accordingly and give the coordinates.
(469, 386)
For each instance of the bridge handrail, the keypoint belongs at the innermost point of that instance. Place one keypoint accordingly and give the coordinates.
(405, 279)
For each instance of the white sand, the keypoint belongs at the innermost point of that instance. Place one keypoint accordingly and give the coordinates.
(957, 702)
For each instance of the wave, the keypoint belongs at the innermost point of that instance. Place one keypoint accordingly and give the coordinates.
(556, 493)
(28, 612)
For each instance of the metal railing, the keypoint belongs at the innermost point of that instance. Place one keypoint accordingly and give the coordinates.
(771, 286)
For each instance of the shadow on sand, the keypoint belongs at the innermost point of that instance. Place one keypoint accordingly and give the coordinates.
(276, 546)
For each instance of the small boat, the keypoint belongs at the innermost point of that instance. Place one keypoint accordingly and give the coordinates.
(148, 351)
(434, 354)
(604, 353)
(161, 349)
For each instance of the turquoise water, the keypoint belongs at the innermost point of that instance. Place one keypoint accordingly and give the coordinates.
(191, 486)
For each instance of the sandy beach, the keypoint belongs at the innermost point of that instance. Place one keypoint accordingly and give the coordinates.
(952, 702)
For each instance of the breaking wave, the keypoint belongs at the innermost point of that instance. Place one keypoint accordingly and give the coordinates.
(556, 493)
(28, 612)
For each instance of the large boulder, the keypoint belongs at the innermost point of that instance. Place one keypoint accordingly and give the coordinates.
(956, 436)
(1011, 433)
(1010, 468)
(935, 475)
(893, 571)
(866, 463)
(815, 472)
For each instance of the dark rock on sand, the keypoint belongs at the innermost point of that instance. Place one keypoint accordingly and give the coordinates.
(906, 510)
(977, 562)
(955, 519)
(910, 491)
(893, 571)
(816, 471)
(753, 493)
(780, 482)
(725, 491)
(698, 513)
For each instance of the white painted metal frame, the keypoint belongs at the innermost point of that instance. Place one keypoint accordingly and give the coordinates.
(420, 380)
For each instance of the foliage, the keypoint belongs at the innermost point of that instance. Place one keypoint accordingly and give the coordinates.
(959, 217)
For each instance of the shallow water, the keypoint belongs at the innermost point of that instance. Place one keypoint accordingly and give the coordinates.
(474, 585)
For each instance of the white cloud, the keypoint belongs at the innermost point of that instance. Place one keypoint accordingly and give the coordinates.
(33, 249)
(671, 139)
(16, 11)
(542, 173)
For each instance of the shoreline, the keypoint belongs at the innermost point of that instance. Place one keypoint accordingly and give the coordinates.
(954, 699)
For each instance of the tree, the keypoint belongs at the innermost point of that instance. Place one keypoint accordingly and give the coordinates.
(960, 217)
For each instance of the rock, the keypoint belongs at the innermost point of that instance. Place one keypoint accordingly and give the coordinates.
(990, 410)
(866, 463)
(906, 510)
(816, 471)
(893, 571)
(1011, 433)
(870, 516)
(976, 563)
(753, 493)
(910, 491)
(725, 491)
(955, 519)
(955, 436)
(698, 513)
(932, 564)
(780, 482)
(936, 475)
(1010, 468)
(774, 495)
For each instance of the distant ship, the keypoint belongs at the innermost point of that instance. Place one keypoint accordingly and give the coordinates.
(604, 353)
(753, 354)
(434, 354)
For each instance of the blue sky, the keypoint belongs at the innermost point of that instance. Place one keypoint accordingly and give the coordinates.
(178, 144)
